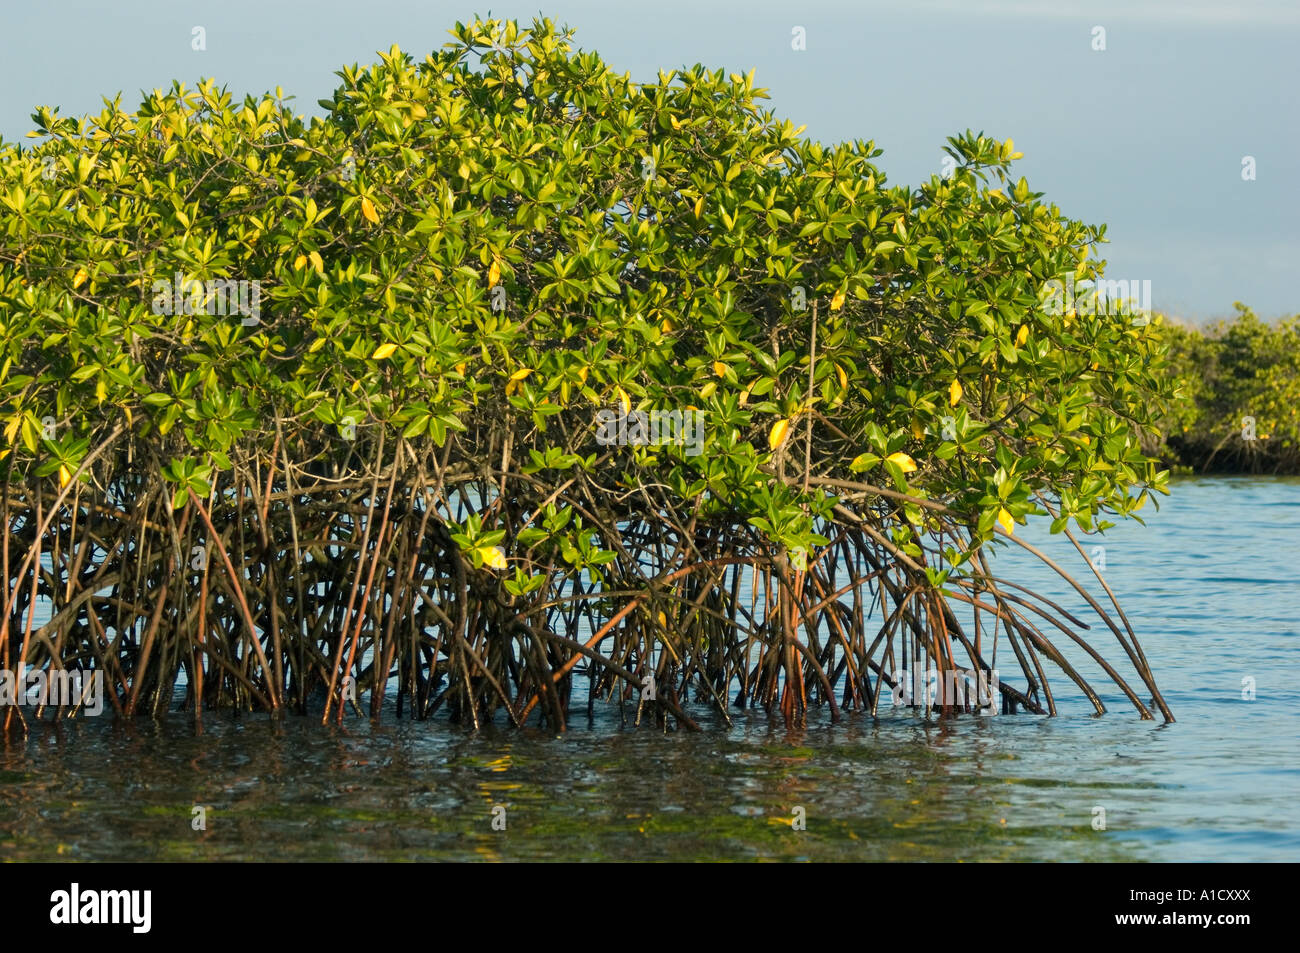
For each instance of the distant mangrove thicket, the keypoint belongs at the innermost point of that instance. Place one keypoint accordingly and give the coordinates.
(1239, 407)
(296, 410)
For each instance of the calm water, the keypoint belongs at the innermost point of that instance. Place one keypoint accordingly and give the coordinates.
(1209, 585)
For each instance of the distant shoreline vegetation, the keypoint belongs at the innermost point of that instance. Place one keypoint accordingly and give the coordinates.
(1238, 409)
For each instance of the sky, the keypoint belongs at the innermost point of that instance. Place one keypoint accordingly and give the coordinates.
(1148, 135)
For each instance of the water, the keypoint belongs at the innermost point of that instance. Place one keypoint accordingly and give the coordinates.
(1208, 584)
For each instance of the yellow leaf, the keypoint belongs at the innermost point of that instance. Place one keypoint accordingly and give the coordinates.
(1007, 523)
(1008, 147)
(368, 210)
(917, 430)
(844, 378)
(1022, 335)
(744, 397)
(101, 391)
(709, 389)
(79, 278)
(317, 263)
(64, 477)
(493, 557)
(777, 435)
(512, 385)
(582, 374)
(460, 368)
(676, 124)
(902, 461)
(667, 326)
(954, 392)
(699, 206)
(663, 620)
(299, 263)
(837, 302)
(719, 368)
(383, 351)
(494, 275)
(623, 399)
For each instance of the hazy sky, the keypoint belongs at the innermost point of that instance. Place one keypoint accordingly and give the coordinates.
(1147, 136)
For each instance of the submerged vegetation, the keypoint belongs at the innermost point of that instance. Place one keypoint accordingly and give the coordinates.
(380, 467)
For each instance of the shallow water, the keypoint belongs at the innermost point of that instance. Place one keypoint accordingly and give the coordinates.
(1208, 585)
